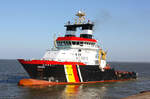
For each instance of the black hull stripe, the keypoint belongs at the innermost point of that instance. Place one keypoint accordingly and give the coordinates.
(56, 73)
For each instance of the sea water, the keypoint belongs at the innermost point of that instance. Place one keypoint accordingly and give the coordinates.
(11, 72)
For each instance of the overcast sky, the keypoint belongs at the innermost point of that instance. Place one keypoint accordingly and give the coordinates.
(122, 26)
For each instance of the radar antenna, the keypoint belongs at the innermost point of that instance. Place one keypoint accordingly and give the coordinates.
(81, 19)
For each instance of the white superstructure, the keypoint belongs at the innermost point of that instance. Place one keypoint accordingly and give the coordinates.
(82, 49)
(87, 54)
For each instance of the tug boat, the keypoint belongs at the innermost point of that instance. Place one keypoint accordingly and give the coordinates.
(73, 59)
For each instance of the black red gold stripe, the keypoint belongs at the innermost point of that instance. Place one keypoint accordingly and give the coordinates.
(71, 73)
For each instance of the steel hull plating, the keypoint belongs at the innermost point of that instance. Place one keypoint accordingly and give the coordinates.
(74, 73)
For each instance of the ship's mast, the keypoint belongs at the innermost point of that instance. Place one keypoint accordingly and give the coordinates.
(81, 18)
(87, 27)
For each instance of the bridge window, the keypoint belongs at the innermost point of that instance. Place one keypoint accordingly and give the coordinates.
(57, 43)
(69, 42)
(77, 43)
(63, 43)
(81, 43)
(73, 42)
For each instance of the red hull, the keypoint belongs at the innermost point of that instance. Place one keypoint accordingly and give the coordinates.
(22, 61)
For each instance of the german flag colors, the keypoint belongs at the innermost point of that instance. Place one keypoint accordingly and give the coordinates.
(72, 73)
